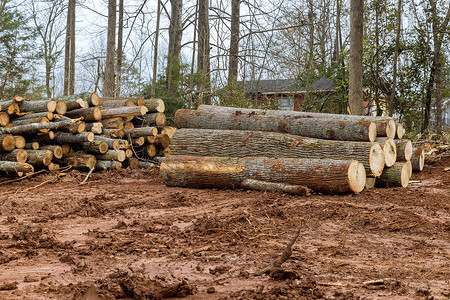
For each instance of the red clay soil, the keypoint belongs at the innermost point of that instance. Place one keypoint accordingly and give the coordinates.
(124, 235)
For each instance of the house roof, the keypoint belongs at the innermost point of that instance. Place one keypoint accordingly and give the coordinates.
(286, 86)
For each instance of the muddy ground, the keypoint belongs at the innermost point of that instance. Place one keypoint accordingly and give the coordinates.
(124, 235)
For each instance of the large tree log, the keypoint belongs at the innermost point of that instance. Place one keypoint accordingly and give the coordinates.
(32, 145)
(56, 150)
(10, 107)
(324, 128)
(76, 104)
(142, 131)
(7, 142)
(38, 106)
(92, 98)
(19, 155)
(118, 155)
(257, 185)
(404, 149)
(94, 147)
(103, 165)
(39, 158)
(47, 114)
(17, 167)
(61, 107)
(327, 176)
(108, 103)
(418, 159)
(18, 122)
(35, 128)
(155, 105)
(79, 160)
(90, 114)
(395, 176)
(389, 149)
(126, 111)
(385, 125)
(238, 143)
(114, 133)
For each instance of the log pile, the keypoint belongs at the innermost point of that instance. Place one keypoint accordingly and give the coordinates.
(82, 131)
(287, 151)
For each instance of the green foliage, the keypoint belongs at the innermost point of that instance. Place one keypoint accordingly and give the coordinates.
(16, 61)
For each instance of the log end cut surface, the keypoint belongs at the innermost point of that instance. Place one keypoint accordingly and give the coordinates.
(95, 99)
(372, 132)
(376, 159)
(408, 150)
(390, 152)
(390, 129)
(8, 143)
(356, 176)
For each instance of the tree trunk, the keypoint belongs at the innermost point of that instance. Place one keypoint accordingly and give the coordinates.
(69, 60)
(174, 51)
(385, 125)
(18, 155)
(203, 61)
(48, 115)
(119, 51)
(155, 53)
(395, 176)
(118, 155)
(234, 43)
(108, 85)
(88, 114)
(236, 143)
(311, 127)
(114, 133)
(18, 122)
(103, 165)
(327, 176)
(75, 104)
(394, 75)
(355, 68)
(155, 105)
(418, 159)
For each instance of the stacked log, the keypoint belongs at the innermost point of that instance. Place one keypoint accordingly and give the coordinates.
(226, 147)
(78, 131)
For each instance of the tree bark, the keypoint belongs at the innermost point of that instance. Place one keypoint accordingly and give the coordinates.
(18, 155)
(355, 84)
(119, 51)
(311, 127)
(174, 51)
(327, 176)
(234, 43)
(90, 114)
(92, 98)
(404, 149)
(236, 143)
(35, 128)
(79, 160)
(112, 123)
(142, 131)
(94, 147)
(118, 155)
(155, 105)
(418, 159)
(116, 103)
(18, 167)
(385, 125)
(108, 85)
(155, 52)
(32, 145)
(203, 60)
(69, 60)
(38, 106)
(151, 119)
(114, 133)
(257, 185)
(40, 158)
(394, 75)
(68, 138)
(126, 111)
(112, 143)
(395, 176)
(103, 165)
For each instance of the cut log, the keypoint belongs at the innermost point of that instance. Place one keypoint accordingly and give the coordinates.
(10, 107)
(169, 130)
(18, 98)
(409, 168)
(142, 131)
(20, 141)
(128, 153)
(35, 128)
(151, 150)
(155, 105)
(151, 119)
(139, 141)
(163, 140)
(321, 175)
(56, 150)
(77, 127)
(18, 122)
(395, 176)
(75, 104)
(128, 125)
(385, 125)
(61, 107)
(92, 98)
(237, 143)
(113, 123)
(418, 159)
(167, 152)
(47, 114)
(68, 138)
(90, 114)
(7, 142)
(53, 167)
(66, 148)
(135, 100)
(4, 119)
(15, 167)
(324, 128)
(38, 106)
(118, 155)
(95, 147)
(370, 182)
(32, 145)
(146, 164)
(389, 149)
(114, 133)
(96, 128)
(404, 149)
(103, 165)
(107, 103)
(40, 158)
(275, 187)
(112, 143)
(399, 131)
(44, 138)
(79, 160)
(126, 111)
(151, 139)
(18, 155)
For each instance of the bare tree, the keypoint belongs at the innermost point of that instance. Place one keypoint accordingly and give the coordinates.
(119, 51)
(234, 42)
(355, 84)
(175, 35)
(69, 60)
(203, 58)
(108, 85)
(155, 53)
(394, 75)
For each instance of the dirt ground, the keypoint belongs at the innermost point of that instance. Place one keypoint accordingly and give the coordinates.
(124, 235)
